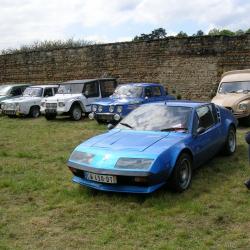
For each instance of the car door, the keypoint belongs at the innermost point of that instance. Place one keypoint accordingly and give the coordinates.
(91, 91)
(206, 130)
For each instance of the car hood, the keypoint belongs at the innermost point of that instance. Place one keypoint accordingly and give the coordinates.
(134, 141)
(23, 99)
(62, 97)
(229, 100)
(116, 101)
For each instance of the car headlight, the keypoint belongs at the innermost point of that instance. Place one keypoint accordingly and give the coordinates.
(3, 106)
(61, 104)
(119, 109)
(111, 108)
(43, 104)
(94, 108)
(81, 157)
(243, 106)
(134, 163)
(17, 106)
(100, 108)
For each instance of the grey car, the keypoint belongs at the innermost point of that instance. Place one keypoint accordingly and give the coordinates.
(9, 91)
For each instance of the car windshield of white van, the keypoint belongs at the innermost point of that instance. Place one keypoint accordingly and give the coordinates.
(234, 87)
(70, 89)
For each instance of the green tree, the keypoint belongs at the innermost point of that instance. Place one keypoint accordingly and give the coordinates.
(159, 33)
(247, 31)
(226, 32)
(200, 33)
(182, 34)
(239, 32)
(214, 32)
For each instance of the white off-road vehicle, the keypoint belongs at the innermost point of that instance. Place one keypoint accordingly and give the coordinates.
(29, 103)
(74, 98)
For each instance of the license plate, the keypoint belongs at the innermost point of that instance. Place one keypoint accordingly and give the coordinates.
(100, 178)
(50, 111)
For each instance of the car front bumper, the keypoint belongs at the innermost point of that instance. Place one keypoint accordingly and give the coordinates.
(107, 117)
(126, 179)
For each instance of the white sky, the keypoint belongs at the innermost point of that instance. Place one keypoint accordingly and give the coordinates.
(26, 21)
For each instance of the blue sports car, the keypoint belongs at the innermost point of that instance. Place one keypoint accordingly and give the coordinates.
(126, 98)
(156, 144)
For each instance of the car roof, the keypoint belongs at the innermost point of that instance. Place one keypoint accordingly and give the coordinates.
(236, 76)
(85, 80)
(182, 103)
(45, 86)
(142, 84)
(16, 84)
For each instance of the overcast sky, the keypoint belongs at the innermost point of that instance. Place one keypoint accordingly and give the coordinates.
(25, 21)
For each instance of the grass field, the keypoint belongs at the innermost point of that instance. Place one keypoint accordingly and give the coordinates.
(41, 209)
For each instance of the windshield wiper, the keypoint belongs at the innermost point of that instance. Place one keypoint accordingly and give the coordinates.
(126, 125)
(174, 129)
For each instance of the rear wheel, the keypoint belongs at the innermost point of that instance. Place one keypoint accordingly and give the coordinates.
(76, 113)
(34, 112)
(230, 144)
(50, 116)
(182, 174)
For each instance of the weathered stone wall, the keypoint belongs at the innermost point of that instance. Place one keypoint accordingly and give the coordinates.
(190, 67)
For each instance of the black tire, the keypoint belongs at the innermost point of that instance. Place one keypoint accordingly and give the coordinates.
(34, 112)
(230, 144)
(181, 177)
(50, 116)
(76, 113)
(246, 121)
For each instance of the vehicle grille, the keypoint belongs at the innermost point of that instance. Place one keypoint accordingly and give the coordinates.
(51, 105)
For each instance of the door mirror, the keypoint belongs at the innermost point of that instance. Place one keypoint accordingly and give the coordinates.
(200, 130)
(110, 126)
(86, 93)
(146, 97)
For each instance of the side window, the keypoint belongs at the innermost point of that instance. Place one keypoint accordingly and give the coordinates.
(16, 91)
(156, 91)
(48, 92)
(91, 89)
(148, 92)
(107, 87)
(205, 116)
(55, 90)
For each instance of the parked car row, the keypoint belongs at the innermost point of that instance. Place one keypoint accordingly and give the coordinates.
(101, 99)
(153, 139)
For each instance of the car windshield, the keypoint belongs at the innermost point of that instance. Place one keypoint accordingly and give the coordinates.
(124, 91)
(34, 92)
(158, 117)
(70, 89)
(4, 90)
(234, 87)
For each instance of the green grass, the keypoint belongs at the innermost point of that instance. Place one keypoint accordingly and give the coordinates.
(41, 209)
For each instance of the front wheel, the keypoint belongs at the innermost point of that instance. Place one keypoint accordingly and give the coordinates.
(181, 177)
(76, 113)
(230, 144)
(34, 112)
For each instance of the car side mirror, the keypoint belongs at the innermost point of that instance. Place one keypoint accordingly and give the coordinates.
(146, 97)
(200, 130)
(110, 126)
(86, 93)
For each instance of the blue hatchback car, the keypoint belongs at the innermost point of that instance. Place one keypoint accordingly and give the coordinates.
(156, 144)
(126, 98)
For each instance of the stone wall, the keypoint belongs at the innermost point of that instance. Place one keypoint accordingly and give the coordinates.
(190, 67)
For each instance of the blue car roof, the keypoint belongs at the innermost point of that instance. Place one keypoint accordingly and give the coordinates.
(184, 103)
(142, 84)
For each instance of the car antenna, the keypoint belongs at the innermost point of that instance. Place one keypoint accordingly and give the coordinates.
(247, 138)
